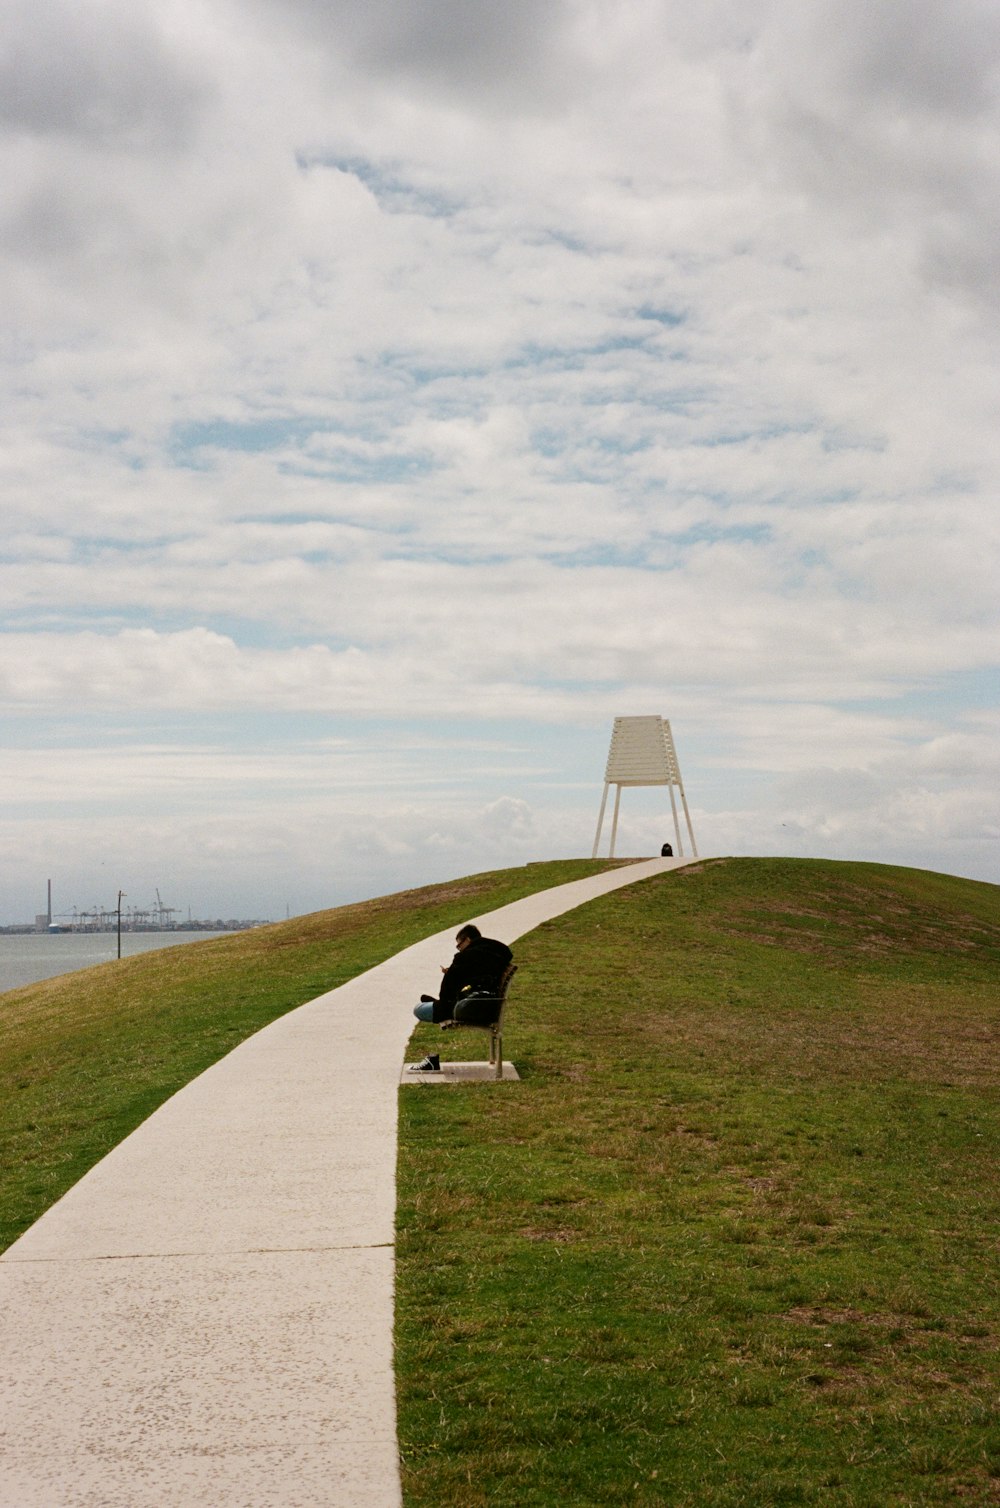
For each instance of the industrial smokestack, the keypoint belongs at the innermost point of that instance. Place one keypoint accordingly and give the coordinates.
(50, 904)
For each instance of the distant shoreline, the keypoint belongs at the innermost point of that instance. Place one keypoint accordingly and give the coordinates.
(28, 929)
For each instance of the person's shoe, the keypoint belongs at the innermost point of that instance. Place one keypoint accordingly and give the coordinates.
(431, 1064)
(427, 1000)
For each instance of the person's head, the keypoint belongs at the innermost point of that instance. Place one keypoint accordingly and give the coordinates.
(466, 935)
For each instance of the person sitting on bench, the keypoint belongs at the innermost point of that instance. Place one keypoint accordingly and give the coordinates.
(474, 972)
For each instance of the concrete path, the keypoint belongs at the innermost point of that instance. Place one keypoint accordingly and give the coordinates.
(206, 1317)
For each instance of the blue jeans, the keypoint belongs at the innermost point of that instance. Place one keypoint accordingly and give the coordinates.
(424, 1011)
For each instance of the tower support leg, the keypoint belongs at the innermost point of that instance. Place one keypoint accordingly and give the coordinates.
(677, 826)
(614, 820)
(687, 814)
(600, 821)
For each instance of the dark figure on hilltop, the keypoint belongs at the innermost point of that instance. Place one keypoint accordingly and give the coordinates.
(666, 852)
(475, 970)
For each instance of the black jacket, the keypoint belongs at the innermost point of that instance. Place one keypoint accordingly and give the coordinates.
(479, 966)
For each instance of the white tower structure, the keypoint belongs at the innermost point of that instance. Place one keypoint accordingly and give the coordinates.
(642, 753)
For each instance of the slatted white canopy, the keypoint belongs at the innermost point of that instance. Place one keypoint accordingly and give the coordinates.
(642, 753)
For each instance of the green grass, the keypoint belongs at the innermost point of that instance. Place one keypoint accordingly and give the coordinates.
(733, 1239)
(84, 1058)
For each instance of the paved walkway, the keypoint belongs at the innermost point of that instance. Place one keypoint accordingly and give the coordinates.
(206, 1317)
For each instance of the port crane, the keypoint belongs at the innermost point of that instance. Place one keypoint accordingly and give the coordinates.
(164, 914)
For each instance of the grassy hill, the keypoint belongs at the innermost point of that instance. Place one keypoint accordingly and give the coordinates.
(733, 1239)
(85, 1057)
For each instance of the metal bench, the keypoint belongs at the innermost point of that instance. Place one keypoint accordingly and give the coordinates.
(495, 1028)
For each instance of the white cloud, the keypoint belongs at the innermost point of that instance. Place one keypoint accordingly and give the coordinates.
(110, 74)
(888, 115)
(394, 367)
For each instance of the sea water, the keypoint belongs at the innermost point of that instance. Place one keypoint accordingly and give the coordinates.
(26, 957)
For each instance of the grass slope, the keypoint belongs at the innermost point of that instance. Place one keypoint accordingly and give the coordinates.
(84, 1058)
(732, 1241)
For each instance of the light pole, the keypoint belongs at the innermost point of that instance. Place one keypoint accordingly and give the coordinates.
(120, 894)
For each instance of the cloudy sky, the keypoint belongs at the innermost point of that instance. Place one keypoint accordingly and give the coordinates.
(395, 391)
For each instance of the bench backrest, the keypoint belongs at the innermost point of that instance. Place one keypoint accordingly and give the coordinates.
(502, 987)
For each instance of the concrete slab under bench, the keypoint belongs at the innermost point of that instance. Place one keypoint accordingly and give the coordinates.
(461, 1073)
